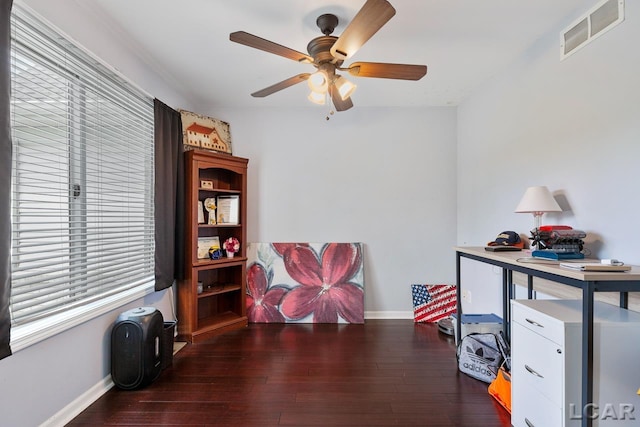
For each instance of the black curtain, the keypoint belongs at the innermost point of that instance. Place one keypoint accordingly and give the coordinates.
(169, 196)
(5, 177)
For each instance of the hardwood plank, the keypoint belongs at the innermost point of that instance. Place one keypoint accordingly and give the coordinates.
(382, 373)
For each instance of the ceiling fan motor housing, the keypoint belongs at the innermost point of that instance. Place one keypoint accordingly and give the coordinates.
(320, 49)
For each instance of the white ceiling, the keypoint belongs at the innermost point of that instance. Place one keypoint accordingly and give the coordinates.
(463, 42)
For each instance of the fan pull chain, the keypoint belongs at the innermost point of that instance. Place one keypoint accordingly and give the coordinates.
(330, 104)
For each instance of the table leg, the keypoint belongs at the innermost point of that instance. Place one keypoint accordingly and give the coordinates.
(529, 286)
(458, 300)
(624, 300)
(587, 353)
(506, 298)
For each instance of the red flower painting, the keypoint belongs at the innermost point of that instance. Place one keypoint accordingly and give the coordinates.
(325, 289)
(262, 303)
(318, 283)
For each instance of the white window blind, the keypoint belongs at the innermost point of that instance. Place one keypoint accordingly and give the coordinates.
(82, 200)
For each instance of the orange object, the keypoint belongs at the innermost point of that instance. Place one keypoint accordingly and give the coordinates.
(500, 389)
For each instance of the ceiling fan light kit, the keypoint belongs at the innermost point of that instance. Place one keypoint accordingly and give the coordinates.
(318, 82)
(317, 97)
(345, 87)
(327, 53)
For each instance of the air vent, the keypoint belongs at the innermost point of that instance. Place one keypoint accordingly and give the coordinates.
(600, 19)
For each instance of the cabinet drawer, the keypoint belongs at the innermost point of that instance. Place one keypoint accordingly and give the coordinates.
(531, 409)
(537, 362)
(538, 322)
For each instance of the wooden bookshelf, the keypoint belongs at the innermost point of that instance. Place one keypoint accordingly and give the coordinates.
(221, 306)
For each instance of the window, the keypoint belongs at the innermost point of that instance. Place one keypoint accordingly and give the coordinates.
(82, 199)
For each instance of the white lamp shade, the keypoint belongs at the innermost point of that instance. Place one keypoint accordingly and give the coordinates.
(317, 98)
(538, 199)
(318, 82)
(345, 87)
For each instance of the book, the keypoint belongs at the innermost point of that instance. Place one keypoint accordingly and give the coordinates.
(500, 248)
(551, 254)
(594, 266)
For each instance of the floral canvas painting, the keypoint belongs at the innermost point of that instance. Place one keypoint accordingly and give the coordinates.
(305, 283)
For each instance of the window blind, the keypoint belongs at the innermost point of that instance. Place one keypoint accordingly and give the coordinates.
(82, 199)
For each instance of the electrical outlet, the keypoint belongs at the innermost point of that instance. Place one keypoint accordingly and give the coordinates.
(466, 296)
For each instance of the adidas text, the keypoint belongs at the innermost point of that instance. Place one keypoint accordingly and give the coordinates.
(475, 368)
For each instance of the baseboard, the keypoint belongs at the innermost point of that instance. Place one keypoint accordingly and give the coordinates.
(69, 412)
(388, 315)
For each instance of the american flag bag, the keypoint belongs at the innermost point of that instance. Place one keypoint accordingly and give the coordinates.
(433, 302)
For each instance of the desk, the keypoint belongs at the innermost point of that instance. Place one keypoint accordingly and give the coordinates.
(590, 282)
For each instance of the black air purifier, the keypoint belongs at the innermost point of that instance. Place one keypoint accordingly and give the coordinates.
(136, 348)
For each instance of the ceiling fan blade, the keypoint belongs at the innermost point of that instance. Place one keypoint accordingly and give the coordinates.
(268, 46)
(371, 17)
(338, 102)
(387, 71)
(282, 85)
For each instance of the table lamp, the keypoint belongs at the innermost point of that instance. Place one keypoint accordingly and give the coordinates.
(538, 200)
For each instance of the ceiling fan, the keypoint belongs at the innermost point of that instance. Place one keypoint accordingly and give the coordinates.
(327, 54)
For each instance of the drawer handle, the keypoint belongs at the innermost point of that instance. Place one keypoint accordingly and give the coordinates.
(534, 323)
(527, 422)
(532, 371)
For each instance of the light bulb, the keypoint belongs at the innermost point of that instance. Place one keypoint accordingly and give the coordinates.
(345, 87)
(316, 98)
(318, 82)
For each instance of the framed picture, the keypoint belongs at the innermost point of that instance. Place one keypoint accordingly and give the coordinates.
(199, 131)
(209, 247)
(228, 210)
(206, 185)
(200, 213)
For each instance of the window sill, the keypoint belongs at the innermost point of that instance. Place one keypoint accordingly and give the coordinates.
(30, 334)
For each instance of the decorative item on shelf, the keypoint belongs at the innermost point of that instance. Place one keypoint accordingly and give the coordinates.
(231, 246)
(200, 131)
(215, 252)
(206, 185)
(210, 206)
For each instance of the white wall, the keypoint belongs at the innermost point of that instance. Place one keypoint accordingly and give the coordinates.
(383, 177)
(573, 125)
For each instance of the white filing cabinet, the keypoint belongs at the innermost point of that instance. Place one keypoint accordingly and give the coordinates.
(546, 357)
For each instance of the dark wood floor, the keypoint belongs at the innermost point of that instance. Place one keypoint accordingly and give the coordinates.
(382, 373)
